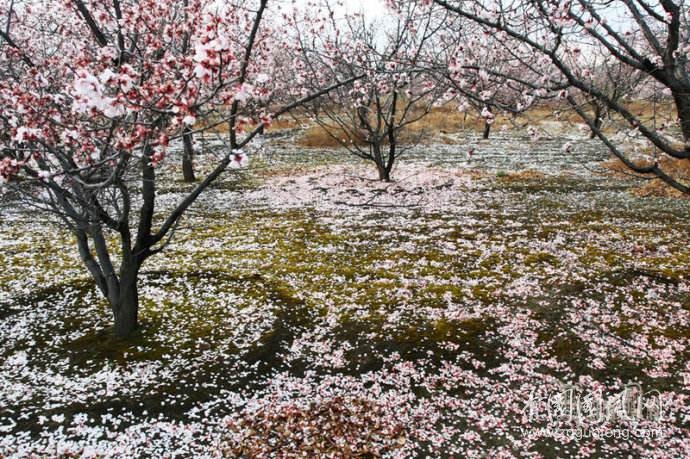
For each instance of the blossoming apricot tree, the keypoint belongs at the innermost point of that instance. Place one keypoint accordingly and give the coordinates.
(94, 92)
(371, 117)
(486, 72)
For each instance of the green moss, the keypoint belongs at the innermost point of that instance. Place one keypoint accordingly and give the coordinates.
(625, 330)
(542, 258)
(483, 294)
(460, 331)
(678, 332)
(158, 335)
(594, 256)
(491, 261)
(103, 345)
(572, 350)
(294, 250)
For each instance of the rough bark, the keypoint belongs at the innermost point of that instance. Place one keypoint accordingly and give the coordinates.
(126, 309)
(188, 157)
(487, 124)
(682, 102)
(597, 119)
(487, 130)
(363, 117)
(384, 172)
(381, 163)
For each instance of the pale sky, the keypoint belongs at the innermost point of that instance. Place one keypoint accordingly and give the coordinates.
(371, 8)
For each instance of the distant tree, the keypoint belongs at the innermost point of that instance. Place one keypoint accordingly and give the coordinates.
(650, 37)
(615, 79)
(486, 75)
(371, 117)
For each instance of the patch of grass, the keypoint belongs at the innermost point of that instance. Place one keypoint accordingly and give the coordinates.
(520, 175)
(542, 258)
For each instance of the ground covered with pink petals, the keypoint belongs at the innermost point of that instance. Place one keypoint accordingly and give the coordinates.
(310, 311)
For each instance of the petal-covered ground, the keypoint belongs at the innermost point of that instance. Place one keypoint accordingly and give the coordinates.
(310, 311)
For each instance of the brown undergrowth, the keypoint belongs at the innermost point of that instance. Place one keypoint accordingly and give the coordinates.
(655, 187)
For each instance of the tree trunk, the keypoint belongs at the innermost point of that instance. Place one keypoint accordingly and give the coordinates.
(682, 102)
(387, 165)
(377, 157)
(126, 310)
(187, 156)
(363, 116)
(598, 121)
(384, 172)
(392, 148)
(487, 130)
(597, 126)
